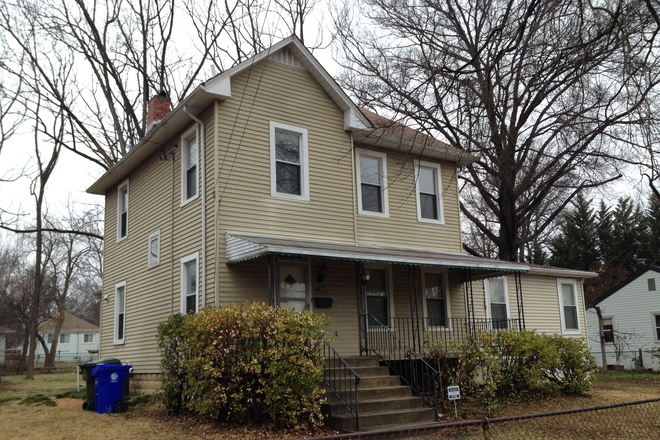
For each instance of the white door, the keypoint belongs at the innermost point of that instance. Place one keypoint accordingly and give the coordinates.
(294, 287)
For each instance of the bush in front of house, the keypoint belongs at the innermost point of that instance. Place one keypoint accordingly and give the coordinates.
(515, 363)
(246, 363)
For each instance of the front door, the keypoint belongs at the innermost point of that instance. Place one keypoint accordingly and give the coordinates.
(293, 286)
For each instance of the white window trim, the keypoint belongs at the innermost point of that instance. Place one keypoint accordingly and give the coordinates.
(88, 342)
(123, 185)
(648, 284)
(445, 286)
(564, 330)
(184, 145)
(116, 340)
(438, 185)
(150, 263)
(383, 181)
(613, 326)
(390, 292)
(505, 285)
(304, 162)
(653, 327)
(184, 261)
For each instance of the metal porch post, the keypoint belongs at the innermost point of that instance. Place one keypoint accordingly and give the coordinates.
(362, 325)
(412, 308)
(519, 300)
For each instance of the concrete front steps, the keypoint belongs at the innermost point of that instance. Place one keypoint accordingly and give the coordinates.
(383, 402)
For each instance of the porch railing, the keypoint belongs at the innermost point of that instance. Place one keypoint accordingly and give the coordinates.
(414, 332)
(342, 381)
(402, 360)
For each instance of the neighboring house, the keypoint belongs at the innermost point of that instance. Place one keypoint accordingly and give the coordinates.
(268, 184)
(4, 332)
(631, 320)
(77, 339)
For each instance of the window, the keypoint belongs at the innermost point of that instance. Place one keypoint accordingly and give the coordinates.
(436, 300)
(568, 306)
(377, 295)
(153, 258)
(657, 327)
(497, 303)
(88, 337)
(65, 338)
(189, 171)
(429, 192)
(120, 312)
(651, 282)
(122, 211)
(372, 183)
(289, 173)
(608, 330)
(189, 284)
(50, 338)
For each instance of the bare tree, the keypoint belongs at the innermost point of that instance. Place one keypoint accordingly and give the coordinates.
(544, 95)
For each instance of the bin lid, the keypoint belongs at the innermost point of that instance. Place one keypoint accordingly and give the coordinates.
(92, 364)
(99, 368)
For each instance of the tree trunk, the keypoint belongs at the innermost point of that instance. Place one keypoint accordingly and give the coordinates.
(602, 339)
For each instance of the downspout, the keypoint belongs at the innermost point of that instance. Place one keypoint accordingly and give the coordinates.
(202, 166)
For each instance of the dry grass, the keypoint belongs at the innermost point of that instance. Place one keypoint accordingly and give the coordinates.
(68, 421)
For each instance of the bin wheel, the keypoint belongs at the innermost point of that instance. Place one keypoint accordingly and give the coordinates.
(90, 406)
(121, 407)
(85, 404)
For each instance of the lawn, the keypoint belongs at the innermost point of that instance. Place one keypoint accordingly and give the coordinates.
(149, 421)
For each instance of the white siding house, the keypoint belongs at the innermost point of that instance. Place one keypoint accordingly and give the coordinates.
(631, 320)
(78, 339)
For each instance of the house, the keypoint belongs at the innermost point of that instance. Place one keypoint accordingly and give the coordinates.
(631, 320)
(78, 339)
(4, 332)
(268, 184)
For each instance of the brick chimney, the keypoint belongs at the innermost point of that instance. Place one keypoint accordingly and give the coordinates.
(159, 106)
(641, 264)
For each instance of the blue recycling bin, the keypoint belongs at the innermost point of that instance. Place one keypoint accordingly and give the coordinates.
(109, 388)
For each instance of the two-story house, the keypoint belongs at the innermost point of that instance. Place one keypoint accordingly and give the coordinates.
(268, 184)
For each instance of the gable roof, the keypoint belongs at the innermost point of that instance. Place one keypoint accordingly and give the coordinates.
(624, 283)
(6, 330)
(356, 120)
(69, 324)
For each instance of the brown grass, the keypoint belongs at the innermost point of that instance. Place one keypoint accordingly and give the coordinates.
(68, 421)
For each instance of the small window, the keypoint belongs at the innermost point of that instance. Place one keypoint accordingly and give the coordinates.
(608, 330)
(372, 183)
(50, 338)
(120, 312)
(376, 290)
(568, 306)
(65, 338)
(288, 161)
(436, 301)
(122, 211)
(153, 258)
(429, 192)
(189, 169)
(88, 337)
(189, 283)
(651, 282)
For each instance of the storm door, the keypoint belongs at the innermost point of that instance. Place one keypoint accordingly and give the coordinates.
(293, 286)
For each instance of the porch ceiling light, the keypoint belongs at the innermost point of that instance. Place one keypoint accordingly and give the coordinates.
(366, 276)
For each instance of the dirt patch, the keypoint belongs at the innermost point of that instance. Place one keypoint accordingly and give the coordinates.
(69, 403)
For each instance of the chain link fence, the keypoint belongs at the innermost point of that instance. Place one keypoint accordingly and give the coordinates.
(631, 420)
(62, 360)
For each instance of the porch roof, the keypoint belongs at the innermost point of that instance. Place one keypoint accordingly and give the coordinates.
(241, 247)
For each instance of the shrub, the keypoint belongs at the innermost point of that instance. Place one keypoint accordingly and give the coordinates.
(175, 352)
(249, 363)
(573, 369)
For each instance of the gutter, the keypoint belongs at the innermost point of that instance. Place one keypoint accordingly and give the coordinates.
(202, 166)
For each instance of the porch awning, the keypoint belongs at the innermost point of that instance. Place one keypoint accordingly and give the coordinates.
(242, 247)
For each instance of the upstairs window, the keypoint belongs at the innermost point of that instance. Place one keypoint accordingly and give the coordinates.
(122, 211)
(153, 258)
(568, 306)
(288, 162)
(189, 171)
(372, 183)
(189, 283)
(651, 282)
(429, 192)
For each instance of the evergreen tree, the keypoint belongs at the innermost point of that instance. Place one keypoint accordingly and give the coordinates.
(628, 234)
(652, 221)
(604, 230)
(577, 245)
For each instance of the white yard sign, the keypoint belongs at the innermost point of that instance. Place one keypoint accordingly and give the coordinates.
(453, 393)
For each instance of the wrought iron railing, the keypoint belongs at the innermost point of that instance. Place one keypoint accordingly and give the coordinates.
(342, 380)
(415, 332)
(413, 370)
